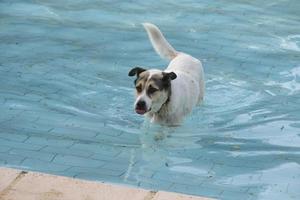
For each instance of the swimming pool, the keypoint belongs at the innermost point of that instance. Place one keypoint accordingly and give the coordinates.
(67, 105)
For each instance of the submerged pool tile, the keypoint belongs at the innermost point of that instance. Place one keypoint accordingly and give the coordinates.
(66, 151)
(179, 178)
(123, 158)
(142, 180)
(13, 137)
(228, 171)
(44, 166)
(74, 132)
(140, 170)
(99, 177)
(3, 162)
(4, 149)
(20, 145)
(66, 173)
(238, 163)
(121, 161)
(117, 139)
(116, 166)
(237, 195)
(32, 154)
(97, 148)
(97, 170)
(77, 161)
(108, 156)
(154, 185)
(59, 142)
(11, 159)
(197, 190)
(107, 131)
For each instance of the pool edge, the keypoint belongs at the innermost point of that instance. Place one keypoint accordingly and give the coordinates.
(26, 185)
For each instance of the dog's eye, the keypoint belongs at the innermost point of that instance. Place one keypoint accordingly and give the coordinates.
(151, 90)
(138, 89)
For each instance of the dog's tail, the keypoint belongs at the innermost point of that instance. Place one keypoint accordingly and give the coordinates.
(159, 42)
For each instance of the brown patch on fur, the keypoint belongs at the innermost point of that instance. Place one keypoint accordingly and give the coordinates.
(142, 80)
(156, 81)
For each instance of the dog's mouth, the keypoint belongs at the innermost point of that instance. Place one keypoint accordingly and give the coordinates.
(141, 111)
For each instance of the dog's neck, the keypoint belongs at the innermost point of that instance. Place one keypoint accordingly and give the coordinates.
(162, 113)
(164, 107)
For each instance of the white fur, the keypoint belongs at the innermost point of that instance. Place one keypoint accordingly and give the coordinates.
(187, 89)
(155, 106)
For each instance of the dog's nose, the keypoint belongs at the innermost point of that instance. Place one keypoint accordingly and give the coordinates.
(141, 104)
(141, 107)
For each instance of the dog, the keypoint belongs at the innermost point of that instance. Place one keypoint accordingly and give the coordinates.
(167, 96)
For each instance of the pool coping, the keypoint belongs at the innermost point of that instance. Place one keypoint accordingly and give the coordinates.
(23, 185)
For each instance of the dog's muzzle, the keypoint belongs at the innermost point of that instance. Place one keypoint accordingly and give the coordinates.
(141, 107)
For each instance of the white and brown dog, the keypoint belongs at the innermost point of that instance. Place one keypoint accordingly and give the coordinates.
(167, 96)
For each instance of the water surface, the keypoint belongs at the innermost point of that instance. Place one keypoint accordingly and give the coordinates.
(67, 103)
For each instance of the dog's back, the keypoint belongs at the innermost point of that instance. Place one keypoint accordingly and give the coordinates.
(188, 68)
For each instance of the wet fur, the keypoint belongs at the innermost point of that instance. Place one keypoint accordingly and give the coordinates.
(180, 86)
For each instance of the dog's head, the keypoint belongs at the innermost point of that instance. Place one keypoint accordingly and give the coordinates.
(153, 88)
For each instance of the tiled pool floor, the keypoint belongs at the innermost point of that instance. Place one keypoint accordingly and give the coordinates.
(66, 100)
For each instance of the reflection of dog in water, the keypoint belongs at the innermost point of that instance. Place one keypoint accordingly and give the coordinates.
(167, 96)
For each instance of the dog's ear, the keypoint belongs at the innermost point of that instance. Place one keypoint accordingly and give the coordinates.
(136, 71)
(169, 76)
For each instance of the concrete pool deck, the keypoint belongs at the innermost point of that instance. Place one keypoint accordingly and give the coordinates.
(22, 185)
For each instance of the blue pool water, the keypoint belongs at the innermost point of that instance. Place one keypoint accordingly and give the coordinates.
(67, 103)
